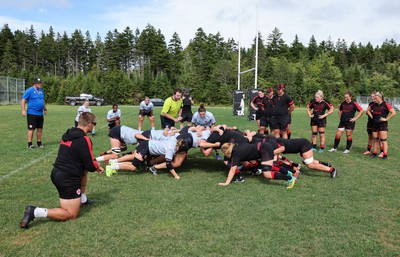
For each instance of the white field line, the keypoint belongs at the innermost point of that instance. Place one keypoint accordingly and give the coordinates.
(9, 174)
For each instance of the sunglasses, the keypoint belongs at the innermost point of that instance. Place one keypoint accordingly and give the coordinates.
(94, 123)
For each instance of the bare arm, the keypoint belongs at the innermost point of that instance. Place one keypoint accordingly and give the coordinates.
(230, 176)
(23, 112)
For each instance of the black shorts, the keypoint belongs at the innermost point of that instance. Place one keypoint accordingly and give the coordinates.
(186, 116)
(143, 148)
(280, 122)
(35, 121)
(147, 134)
(380, 126)
(68, 187)
(267, 152)
(289, 119)
(259, 116)
(347, 125)
(265, 122)
(165, 122)
(320, 123)
(299, 145)
(111, 124)
(369, 126)
(115, 133)
(146, 113)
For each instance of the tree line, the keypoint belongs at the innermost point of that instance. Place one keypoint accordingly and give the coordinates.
(127, 65)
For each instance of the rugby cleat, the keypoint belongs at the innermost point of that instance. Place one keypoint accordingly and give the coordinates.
(110, 171)
(332, 150)
(291, 182)
(28, 216)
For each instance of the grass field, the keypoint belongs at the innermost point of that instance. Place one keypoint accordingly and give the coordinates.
(138, 214)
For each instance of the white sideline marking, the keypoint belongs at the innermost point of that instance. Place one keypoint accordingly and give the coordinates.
(9, 174)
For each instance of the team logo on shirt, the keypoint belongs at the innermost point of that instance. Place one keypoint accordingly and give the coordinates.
(78, 192)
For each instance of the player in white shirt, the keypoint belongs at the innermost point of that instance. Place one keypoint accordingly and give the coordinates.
(113, 117)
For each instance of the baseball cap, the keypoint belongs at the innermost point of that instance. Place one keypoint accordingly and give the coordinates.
(37, 81)
(280, 86)
(270, 90)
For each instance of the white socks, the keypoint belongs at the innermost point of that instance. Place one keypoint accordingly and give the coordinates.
(40, 212)
(100, 159)
(114, 166)
(83, 198)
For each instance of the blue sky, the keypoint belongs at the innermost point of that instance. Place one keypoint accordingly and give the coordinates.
(361, 21)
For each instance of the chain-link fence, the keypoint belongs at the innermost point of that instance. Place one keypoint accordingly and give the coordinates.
(363, 101)
(11, 90)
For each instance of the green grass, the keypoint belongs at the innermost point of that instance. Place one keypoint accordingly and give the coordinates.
(137, 214)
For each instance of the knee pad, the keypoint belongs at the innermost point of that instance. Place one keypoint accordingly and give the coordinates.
(169, 165)
(382, 139)
(308, 160)
(321, 132)
(116, 150)
(376, 138)
(136, 162)
(314, 133)
(266, 168)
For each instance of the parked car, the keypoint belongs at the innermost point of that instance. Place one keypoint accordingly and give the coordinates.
(157, 101)
(74, 100)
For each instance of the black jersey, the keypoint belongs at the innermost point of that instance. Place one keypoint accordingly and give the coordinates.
(186, 105)
(229, 136)
(260, 103)
(282, 104)
(244, 152)
(269, 107)
(75, 154)
(380, 111)
(349, 110)
(319, 108)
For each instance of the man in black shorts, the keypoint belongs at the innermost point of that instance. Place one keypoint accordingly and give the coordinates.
(283, 107)
(74, 158)
(34, 98)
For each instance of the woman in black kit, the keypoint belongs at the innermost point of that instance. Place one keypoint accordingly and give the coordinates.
(237, 153)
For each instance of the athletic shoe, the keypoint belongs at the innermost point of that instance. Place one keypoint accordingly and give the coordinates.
(239, 179)
(31, 147)
(320, 150)
(153, 170)
(346, 151)
(380, 155)
(299, 166)
(367, 152)
(291, 182)
(40, 146)
(218, 157)
(329, 164)
(384, 157)
(87, 203)
(109, 171)
(28, 216)
(332, 150)
(373, 155)
(334, 173)
(313, 149)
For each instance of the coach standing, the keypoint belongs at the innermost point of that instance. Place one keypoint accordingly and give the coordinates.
(34, 97)
(171, 111)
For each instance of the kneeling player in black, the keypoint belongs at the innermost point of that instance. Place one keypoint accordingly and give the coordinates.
(74, 158)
